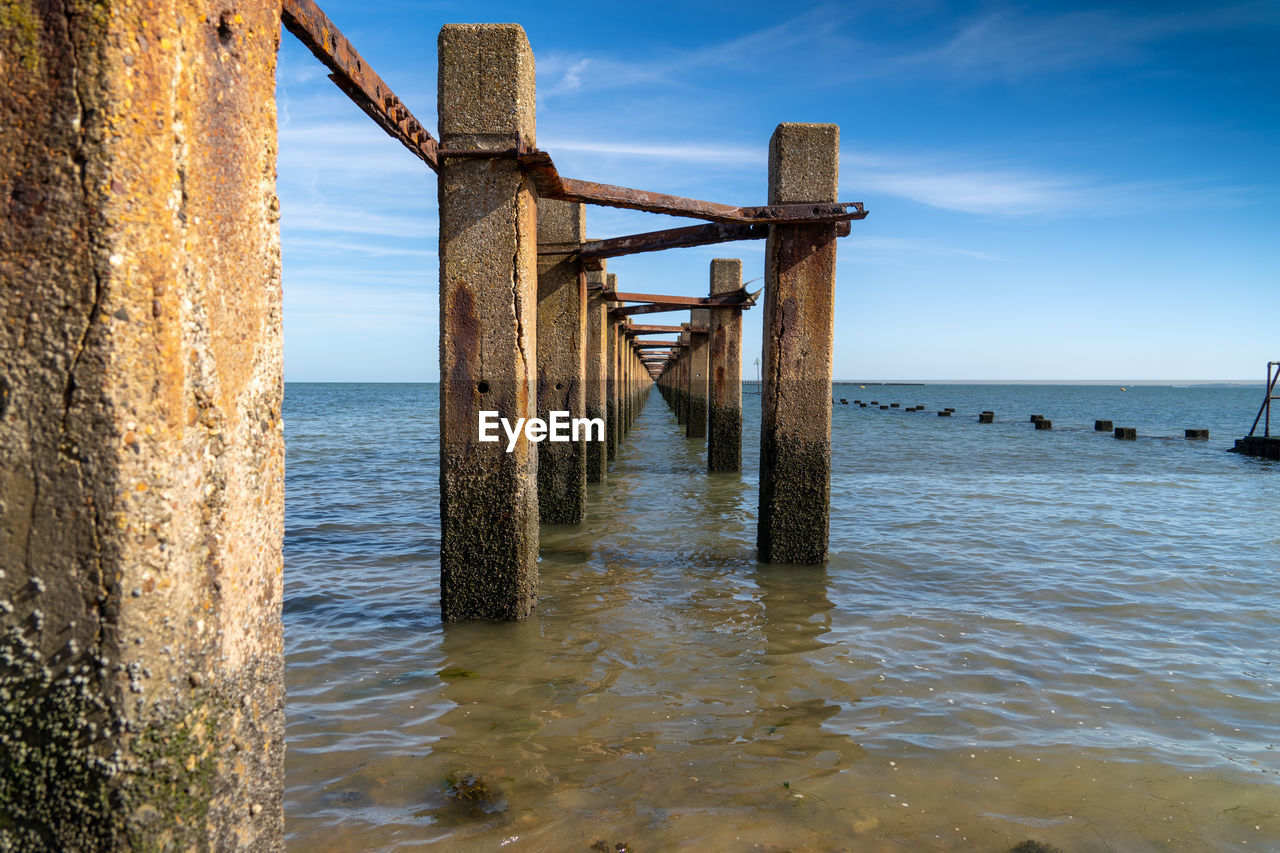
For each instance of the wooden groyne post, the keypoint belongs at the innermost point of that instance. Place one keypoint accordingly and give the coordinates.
(488, 323)
(724, 433)
(141, 445)
(562, 355)
(799, 294)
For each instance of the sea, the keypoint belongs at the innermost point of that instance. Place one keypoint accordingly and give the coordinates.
(1021, 637)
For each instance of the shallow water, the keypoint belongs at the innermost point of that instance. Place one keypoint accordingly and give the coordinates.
(1020, 634)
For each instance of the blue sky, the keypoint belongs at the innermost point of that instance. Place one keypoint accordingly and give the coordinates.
(1057, 191)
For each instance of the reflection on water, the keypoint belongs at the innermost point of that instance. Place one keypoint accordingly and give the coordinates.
(1015, 638)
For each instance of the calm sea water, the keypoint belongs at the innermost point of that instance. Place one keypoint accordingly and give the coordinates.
(1020, 635)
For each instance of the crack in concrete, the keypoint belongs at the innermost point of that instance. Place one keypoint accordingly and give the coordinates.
(72, 452)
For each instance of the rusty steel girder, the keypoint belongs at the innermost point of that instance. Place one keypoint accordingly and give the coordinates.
(549, 184)
(653, 330)
(353, 76)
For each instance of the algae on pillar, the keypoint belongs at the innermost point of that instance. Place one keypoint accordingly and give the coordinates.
(562, 332)
(597, 371)
(724, 432)
(699, 326)
(141, 445)
(799, 294)
(488, 323)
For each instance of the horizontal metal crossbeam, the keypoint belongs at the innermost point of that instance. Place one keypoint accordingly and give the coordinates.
(353, 76)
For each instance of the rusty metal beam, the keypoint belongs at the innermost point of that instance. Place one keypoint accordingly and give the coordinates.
(370, 92)
(549, 184)
(657, 241)
(738, 297)
(594, 251)
(630, 310)
(353, 76)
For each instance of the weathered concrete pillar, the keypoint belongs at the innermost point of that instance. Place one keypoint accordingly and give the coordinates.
(631, 381)
(597, 372)
(800, 275)
(699, 362)
(562, 352)
(682, 378)
(611, 429)
(724, 432)
(488, 322)
(141, 446)
(624, 381)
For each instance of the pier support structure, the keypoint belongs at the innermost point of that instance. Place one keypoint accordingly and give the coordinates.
(624, 371)
(682, 378)
(612, 431)
(800, 269)
(141, 445)
(562, 349)
(699, 329)
(596, 371)
(488, 322)
(724, 432)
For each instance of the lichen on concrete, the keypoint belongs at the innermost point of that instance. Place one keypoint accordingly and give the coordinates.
(19, 36)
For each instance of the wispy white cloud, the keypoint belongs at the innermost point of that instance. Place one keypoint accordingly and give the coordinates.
(946, 180)
(899, 245)
(342, 218)
(692, 152)
(818, 31)
(975, 185)
(1013, 43)
(364, 248)
(943, 183)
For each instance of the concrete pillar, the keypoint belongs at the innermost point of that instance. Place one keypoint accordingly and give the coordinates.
(624, 371)
(597, 373)
(611, 430)
(682, 379)
(699, 362)
(488, 325)
(141, 445)
(800, 275)
(562, 352)
(724, 432)
(631, 383)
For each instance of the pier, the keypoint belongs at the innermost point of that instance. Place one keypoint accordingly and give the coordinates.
(141, 435)
(142, 470)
